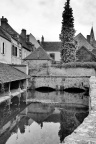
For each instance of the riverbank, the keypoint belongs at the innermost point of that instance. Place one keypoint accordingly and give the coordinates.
(86, 132)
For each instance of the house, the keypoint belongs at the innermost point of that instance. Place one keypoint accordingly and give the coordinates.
(12, 81)
(5, 47)
(27, 47)
(82, 41)
(32, 39)
(52, 48)
(84, 55)
(21, 45)
(37, 60)
(15, 43)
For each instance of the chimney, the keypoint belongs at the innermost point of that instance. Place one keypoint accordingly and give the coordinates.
(88, 38)
(38, 41)
(42, 39)
(4, 21)
(27, 38)
(23, 33)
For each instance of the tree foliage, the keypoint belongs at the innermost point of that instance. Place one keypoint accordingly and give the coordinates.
(67, 34)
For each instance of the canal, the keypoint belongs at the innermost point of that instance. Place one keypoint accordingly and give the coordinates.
(42, 118)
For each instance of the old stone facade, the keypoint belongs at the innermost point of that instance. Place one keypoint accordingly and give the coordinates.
(14, 47)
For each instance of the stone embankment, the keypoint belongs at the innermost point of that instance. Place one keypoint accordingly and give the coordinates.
(86, 132)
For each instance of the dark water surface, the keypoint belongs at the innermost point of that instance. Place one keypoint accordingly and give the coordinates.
(42, 118)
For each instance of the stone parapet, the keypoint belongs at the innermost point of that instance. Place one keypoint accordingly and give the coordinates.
(86, 132)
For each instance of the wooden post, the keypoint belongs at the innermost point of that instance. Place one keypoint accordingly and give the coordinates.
(19, 92)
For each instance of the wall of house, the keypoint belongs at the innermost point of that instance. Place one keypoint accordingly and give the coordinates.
(16, 59)
(33, 40)
(57, 55)
(6, 57)
(36, 64)
(25, 53)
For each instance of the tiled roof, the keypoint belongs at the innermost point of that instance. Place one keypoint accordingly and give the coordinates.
(9, 29)
(94, 51)
(90, 52)
(38, 54)
(24, 43)
(4, 34)
(9, 73)
(51, 46)
(82, 41)
(94, 44)
(15, 35)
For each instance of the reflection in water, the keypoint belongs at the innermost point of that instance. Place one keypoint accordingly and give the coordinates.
(49, 118)
(69, 122)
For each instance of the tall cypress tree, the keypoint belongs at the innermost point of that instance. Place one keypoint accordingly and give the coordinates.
(67, 34)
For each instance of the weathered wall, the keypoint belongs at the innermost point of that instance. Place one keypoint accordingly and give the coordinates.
(25, 53)
(5, 58)
(72, 71)
(16, 59)
(57, 55)
(58, 82)
(36, 66)
(56, 78)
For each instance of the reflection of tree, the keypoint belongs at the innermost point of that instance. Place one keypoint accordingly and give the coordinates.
(67, 124)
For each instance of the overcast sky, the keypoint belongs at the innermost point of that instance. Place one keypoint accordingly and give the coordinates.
(44, 17)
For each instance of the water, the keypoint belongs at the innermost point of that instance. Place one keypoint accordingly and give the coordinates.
(42, 118)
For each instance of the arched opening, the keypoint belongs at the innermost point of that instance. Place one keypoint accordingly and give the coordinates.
(45, 89)
(75, 90)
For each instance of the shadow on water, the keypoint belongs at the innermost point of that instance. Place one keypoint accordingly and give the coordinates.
(49, 118)
(76, 90)
(45, 89)
(70, 90)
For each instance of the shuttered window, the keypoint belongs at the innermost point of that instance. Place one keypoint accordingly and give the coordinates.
(14, 50)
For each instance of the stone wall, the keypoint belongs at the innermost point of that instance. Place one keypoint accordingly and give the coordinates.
(56, 82)
(65, 77)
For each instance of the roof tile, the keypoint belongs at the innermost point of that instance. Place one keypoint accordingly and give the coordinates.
(38, 54)
(9, 73)
(82, 41)
(51, 46)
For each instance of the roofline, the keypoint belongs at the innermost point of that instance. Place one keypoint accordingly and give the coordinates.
(10, 34)
(16, 80)
(36, 59)
(25, 48)
(5, 38)
(87, 51)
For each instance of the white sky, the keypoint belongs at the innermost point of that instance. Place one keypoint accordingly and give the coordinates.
(44, 17)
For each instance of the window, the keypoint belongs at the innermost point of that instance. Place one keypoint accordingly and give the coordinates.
(52, 55)
(14, 50)
(3, 48)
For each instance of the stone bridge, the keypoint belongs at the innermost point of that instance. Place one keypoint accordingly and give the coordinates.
(62, 78)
